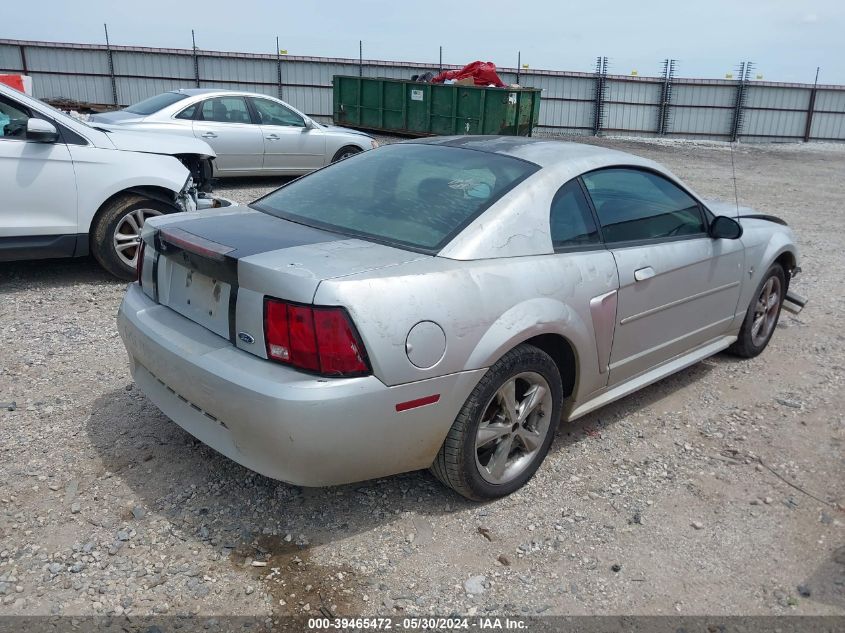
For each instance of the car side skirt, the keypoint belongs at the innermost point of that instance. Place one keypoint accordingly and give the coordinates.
(653, 375)
(42, 246)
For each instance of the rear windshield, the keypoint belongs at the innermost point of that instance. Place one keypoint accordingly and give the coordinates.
(411, 195)
(154, 104)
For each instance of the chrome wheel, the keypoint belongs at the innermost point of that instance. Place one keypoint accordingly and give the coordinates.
(127, 234)
(766, 311)
(513, 427)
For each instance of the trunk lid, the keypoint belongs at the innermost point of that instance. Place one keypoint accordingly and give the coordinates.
(216, 268)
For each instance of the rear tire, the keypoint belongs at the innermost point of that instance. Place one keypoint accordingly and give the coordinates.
(346, 152)
(116, 230)
(490, 452)
(762, 316)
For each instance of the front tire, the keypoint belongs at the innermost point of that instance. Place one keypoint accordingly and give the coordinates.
(116, 232)
(346, 152)
(762, 316)
(505, 428)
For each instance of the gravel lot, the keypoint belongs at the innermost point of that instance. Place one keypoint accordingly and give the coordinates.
(716, 491)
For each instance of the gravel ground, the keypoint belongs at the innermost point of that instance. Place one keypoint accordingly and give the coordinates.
(714, 491)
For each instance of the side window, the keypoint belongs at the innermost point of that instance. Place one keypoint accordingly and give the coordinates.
(570, 218)
(272, 113)
(13, 118)
(225, 110)
(633, 204)
(188, 113)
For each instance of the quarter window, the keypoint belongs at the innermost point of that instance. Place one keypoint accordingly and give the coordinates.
(272, 113)
(188, 113)
(633, 205)
(571, 221)
(225, 110)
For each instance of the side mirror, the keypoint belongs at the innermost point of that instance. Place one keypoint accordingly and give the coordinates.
(725, 228)
(309, 125)
(41, 131)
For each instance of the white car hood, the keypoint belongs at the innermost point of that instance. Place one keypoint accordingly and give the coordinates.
(155, 143)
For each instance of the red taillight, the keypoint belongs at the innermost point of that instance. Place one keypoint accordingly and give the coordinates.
(139, 266)
(317, 339)
(303, 338)
(276, 333)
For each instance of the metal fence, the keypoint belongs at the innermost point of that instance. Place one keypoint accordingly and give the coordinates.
(572, 102)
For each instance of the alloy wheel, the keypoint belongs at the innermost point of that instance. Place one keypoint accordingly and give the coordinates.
(513, 427)
(766, 311)
(127, 234)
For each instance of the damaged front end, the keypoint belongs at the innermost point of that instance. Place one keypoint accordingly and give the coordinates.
(192, 198)
(201, 168)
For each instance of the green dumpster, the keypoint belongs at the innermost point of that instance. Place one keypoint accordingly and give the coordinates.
(423, 109)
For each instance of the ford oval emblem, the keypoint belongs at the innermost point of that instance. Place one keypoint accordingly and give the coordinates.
(246, 337)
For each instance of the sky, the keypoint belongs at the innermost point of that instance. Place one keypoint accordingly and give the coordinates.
(785, 39)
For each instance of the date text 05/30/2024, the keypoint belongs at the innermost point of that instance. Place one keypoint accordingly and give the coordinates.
(414, 624)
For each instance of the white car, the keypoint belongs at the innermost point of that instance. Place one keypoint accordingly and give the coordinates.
(68, 189)
(252, 134)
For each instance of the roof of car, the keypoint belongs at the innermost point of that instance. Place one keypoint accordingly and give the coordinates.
(200, 91)
(542, 151)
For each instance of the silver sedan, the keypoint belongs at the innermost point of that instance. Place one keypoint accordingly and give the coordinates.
(443, 304)
(252, 134)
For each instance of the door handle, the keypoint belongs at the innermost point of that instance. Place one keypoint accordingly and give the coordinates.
(642, 274)
(273, 137)
(208, 135)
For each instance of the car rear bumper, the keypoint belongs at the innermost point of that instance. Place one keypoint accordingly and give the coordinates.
(284, 424)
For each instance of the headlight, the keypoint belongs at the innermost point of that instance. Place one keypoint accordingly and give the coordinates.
(374, 143)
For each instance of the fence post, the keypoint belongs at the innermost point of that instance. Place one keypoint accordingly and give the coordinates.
(279, 66)
(811, 107)
(360, 59)
(23, 59)
(196, 59)
(598, 110)
(739, 103)
(440, 67)
(518, 64)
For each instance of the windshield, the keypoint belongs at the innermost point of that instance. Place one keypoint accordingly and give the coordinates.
(154, 104)
(411, 195)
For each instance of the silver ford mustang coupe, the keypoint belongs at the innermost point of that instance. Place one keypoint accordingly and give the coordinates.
(442, 304)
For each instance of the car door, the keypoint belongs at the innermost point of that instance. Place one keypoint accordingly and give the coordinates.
(577, 244)
(678, 287)
(289, 145)
(38, 201)
(226, 124)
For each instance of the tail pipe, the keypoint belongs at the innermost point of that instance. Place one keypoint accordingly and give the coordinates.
(793, 302)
